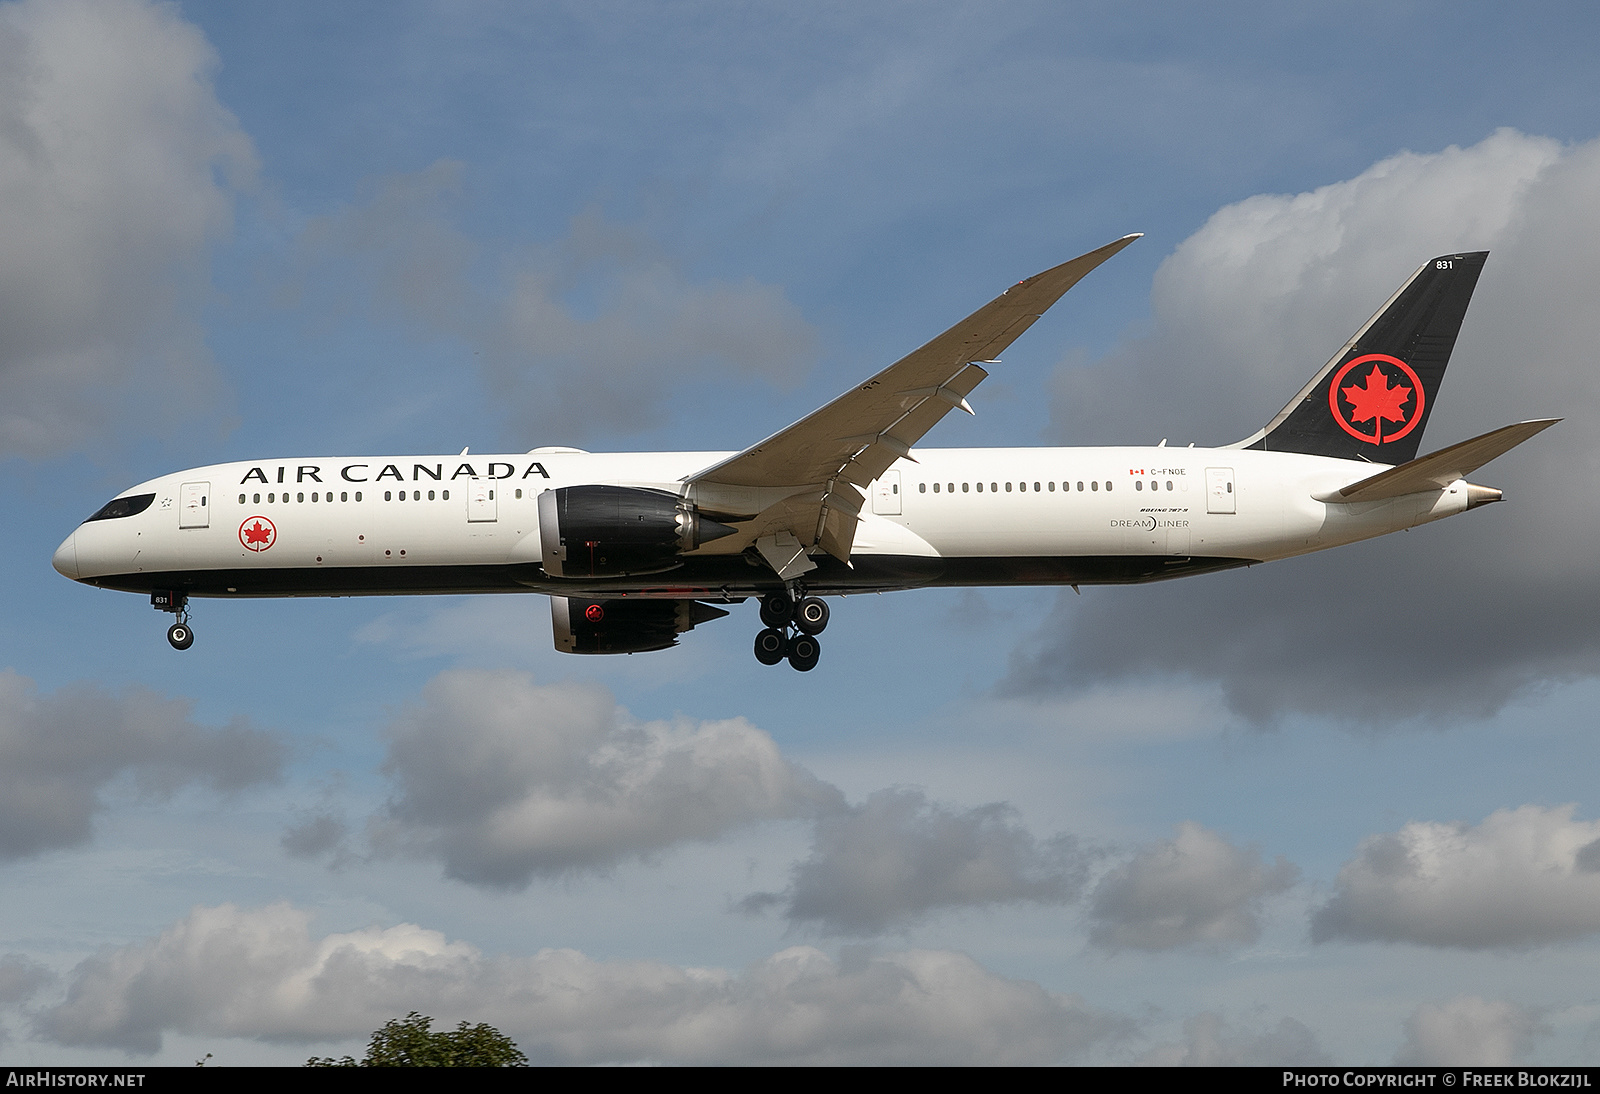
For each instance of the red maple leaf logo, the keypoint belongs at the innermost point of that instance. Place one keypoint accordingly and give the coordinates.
(1380, 394)
(1377, 400)
(257, 533)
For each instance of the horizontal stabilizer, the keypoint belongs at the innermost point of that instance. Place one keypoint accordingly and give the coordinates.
(1439, 469)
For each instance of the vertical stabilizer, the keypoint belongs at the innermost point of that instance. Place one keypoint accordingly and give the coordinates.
(1372, 401)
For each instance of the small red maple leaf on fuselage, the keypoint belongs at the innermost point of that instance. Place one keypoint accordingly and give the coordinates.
(257, 533)
(1377, 403)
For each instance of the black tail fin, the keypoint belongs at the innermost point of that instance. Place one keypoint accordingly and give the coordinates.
(1372, 401)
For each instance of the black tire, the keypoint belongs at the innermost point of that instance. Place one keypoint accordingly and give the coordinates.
(811, 615)
(180, 636)
(804, 651)
(776, 609)
(771, 646)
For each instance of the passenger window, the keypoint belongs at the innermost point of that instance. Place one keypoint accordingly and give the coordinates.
(1052, 486)
(1138, 484)
(1008, 488)
(388, 495)
(980, 488)
(993, 487)
(313, 495)
(1169, 484)
(519, 493)
(1094, 486)
(922, 488)
(299, 496)
(935, 488)
(358, 495)
(446, 495)
(255, 499)
(491, 495)
(1080, 487)
(416, 495)
(1035, 488)
(430, 495)
(241, 499)
(1108, 487)
(344, 495)
(963, 488)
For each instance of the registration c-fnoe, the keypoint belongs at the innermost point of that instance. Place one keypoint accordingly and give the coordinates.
(634, 549)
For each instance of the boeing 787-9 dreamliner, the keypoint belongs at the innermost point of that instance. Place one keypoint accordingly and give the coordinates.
(635, 548)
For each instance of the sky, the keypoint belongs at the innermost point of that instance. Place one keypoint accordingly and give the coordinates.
(1334, 809)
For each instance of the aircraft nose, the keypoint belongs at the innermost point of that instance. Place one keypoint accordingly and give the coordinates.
(65, 560)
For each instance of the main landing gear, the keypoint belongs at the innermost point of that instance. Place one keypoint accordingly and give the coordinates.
(791, 630)
(180, 634)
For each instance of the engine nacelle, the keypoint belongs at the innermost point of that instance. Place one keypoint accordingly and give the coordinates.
(624, 626)
(618, 531)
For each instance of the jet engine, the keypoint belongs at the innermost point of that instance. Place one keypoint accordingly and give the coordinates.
(618, 531)
(624, 626)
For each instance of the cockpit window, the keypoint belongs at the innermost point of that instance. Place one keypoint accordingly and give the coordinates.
(123, 507)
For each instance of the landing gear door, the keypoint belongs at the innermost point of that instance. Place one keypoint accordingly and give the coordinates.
(1219, 490)
(194, 505)
(480, 501)
(886, 494)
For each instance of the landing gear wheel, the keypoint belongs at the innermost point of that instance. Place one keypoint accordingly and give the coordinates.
(776, 609)
(804, 652)
(811, 615)
(771, 645)
(180, 636)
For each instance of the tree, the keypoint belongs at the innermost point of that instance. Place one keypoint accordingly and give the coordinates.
(409, 1042)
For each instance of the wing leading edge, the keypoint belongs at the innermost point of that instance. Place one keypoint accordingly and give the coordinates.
(817, 464)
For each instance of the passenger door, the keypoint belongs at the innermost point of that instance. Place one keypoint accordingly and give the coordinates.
(194, 505)
(1219, 490)
(480, 501)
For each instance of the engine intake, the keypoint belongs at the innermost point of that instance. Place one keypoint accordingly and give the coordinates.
(618, 531)
(624, 626)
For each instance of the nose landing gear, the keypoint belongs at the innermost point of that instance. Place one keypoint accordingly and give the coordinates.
(780, 613)
(180, 634)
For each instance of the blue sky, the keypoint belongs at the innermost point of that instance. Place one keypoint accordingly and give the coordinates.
(1338, 808)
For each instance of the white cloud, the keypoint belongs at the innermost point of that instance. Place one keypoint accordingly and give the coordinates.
(20, 978)
(593, 330)
(233, 972)
(898, 856)
(58, 752)
(1522, 877)
(1454, 619)
(502, 779)
(1209, 1040)
(1195, 889)
(1468, 1031)
(111, 140)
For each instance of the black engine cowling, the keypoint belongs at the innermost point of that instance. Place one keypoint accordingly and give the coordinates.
(624, 626)
(618, 531)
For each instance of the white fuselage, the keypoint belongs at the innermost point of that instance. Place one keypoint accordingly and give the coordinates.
(339, 526)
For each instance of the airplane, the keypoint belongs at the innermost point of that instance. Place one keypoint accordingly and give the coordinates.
(636, 549)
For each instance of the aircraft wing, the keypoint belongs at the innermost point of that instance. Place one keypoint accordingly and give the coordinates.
(1439, 469)
(855, 438)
